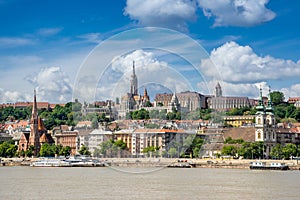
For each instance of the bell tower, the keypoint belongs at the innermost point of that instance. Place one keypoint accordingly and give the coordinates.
(34, 137)
(218, 90)
(265, 126)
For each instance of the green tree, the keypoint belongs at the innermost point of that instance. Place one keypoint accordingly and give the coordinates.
(229, 140)
(229, 150)
(172, 152)
(276, 152)
(277, 97)
(95, 123)
(8, 150)
(296, 114)
(163, 114)
(65, 151)
(148, 104)
(154, 114)
(84, 151)
(251, 150)
(289, 150)
(47, 150)
(29, 151)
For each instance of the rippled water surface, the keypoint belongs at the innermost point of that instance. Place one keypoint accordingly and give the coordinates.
(133, 183)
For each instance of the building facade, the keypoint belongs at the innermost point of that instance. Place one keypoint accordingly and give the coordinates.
(224, 103)
(132, 100)
(265, 126)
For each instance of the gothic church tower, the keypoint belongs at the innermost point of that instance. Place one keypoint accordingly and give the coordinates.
(34, 137)
(133, 82)
(218, 90)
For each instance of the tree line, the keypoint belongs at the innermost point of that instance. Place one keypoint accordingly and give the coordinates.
(254, 150)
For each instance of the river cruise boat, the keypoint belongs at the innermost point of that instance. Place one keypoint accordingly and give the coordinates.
(50, 163)
(79, 161)
(270, 166)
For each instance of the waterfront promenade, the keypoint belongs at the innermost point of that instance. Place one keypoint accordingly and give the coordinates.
(165, 162)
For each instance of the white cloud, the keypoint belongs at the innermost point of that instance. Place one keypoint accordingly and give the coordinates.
(237, 12)
(239, 64)
(115, 82)
(49, 31)
(166, 13)
(292, 91)
(52, 85)
(13, 96)
(9, 42)
(91, 37)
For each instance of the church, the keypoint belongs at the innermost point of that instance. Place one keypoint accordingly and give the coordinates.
(265, 125)
(37, 135)
(132, 100)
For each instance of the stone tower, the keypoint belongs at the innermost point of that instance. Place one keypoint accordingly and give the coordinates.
(218, 90)
(34, 137)
(265, 125)
(133, 82)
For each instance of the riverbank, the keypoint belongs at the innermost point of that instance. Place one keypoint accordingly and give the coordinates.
(165, 162)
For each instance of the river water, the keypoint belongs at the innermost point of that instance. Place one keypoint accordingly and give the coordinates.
(133, 183)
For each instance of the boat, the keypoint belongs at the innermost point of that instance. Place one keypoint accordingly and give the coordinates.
(270, 166)
(84, 162)
(50, 163)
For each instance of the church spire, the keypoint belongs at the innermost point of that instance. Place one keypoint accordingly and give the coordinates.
(133, 81)
(269, 108)
(34, 106)
(34, 138)
(260, 106)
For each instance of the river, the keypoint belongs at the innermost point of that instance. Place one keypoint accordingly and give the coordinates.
(146, 183)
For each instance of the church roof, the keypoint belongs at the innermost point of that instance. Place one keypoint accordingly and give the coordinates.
(46, 138)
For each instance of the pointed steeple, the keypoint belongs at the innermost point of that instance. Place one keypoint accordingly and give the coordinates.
(34, 138)
(34, 106)
(218, 90)
(269, 108)
(133, 81)
(260, 106)
(133, 68)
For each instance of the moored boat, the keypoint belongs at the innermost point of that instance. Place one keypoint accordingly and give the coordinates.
(270, 166)
(50, 163)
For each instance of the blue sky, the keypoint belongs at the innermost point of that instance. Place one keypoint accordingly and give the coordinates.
(43, 44)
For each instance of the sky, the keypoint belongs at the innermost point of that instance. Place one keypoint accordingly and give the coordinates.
(85, 49)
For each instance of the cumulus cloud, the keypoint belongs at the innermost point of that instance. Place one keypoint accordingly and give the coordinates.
(240, 64)
(13, 96)
(52, 85)
(166, 13)
(292, 91)
(149, 70)
(237, 12)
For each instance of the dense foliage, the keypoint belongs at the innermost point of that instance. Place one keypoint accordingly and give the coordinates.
(8, 149)
(48, 150)
(10, 113)
(112, 148)
(84, 151)
(248, 150)
(285, 152)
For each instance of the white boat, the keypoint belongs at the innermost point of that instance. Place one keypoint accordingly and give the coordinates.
(50, 163)
(79, 161)
(271, 166)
